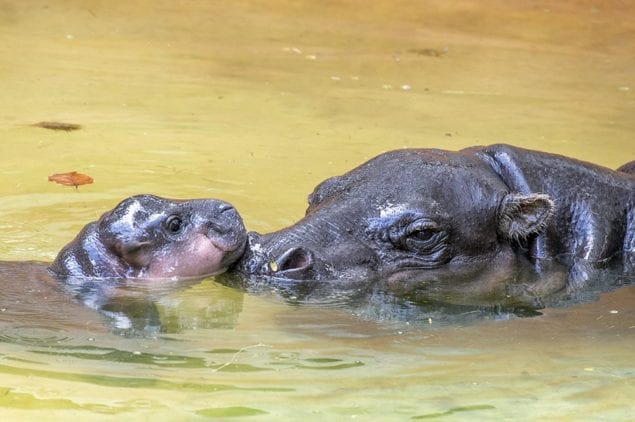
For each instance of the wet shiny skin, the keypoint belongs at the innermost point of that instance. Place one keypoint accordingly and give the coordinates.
(150, 237)
(440, 221)
(219, 99)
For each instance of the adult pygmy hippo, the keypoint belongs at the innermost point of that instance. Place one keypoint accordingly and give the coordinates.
(147, 236)
(483, 225)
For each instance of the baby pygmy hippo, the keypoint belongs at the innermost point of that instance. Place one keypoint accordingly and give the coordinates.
(146, 236)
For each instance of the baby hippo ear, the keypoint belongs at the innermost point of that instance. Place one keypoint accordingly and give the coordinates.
(520, 216)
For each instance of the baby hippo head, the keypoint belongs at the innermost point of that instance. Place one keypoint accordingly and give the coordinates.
(146, 236)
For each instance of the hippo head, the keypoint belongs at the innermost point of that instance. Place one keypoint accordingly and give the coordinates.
(147, 236)
(426, 218)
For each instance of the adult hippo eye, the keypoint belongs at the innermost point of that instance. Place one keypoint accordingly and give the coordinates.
(421, 230)
(173, 224)
(420, 235)
(411, 233)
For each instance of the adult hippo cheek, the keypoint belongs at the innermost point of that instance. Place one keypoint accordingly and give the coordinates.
(146, 236)
(413, 249)
(321, 259)
(483, 225)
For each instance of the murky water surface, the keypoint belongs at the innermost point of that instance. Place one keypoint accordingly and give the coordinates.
(256, 102)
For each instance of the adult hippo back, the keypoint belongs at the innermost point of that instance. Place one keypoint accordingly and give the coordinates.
(485, 225)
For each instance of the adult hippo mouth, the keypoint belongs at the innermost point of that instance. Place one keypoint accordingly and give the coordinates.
(483, 225)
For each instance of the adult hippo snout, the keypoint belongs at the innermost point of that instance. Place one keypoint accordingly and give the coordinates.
(328, 257)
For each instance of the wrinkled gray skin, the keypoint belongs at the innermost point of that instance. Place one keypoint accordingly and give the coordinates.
(485, 225)
(150, 237)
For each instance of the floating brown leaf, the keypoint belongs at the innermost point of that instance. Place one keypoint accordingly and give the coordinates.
(58, 126)
(71, 179)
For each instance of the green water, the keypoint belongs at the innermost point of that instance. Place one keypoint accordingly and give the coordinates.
(256, 102)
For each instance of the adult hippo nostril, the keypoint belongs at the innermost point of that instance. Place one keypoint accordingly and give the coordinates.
(294, 263)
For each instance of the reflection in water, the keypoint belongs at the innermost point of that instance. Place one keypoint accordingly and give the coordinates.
(418, 303)
(371, 300)
(150, 307)
(260, 355)
(41, 308)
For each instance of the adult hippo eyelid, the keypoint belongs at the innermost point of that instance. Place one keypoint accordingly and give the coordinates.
(421, 231)
(435, 241)
(399, 229)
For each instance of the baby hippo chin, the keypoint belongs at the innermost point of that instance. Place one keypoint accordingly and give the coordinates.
(148, 237)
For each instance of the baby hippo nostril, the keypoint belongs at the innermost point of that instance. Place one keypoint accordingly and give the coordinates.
(224, 207)
(294, 261)
(226, 221)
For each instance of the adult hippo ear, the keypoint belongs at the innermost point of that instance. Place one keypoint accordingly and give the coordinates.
(521, 216)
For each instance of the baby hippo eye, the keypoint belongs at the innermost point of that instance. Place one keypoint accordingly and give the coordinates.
(173, 224)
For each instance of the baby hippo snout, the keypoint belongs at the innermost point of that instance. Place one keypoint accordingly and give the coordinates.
(226, 230)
